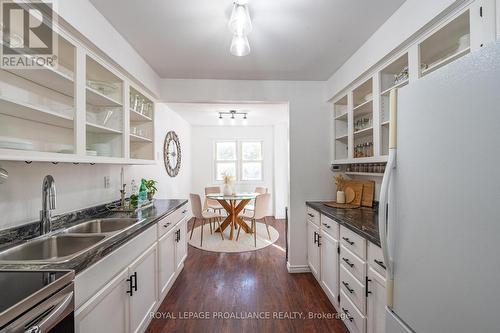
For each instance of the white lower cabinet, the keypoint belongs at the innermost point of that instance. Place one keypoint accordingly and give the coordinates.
(329, 266)
(351, 272)
(143, 286)
(375, 306)
(313, 250)
(108, 310)
(166, 260)
(124, 304)
(181, 244)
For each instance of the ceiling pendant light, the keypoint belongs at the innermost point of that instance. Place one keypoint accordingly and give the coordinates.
(245, 120)
(240, 46)
(240, 22)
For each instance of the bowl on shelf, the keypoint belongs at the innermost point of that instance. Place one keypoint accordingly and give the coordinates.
(102, 149)
(15, 143)
(103, 87)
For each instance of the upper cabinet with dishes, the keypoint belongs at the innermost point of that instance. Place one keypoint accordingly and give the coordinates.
(84, 110)
(361, 111)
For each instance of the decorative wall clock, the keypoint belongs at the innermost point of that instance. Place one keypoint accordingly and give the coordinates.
(172, 154)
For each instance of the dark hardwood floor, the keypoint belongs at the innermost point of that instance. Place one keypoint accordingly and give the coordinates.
(220, 285)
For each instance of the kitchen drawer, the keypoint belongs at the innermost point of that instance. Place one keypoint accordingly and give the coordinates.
(330, 227)
(354, 242)
(171, 219)
(313, 216)
(376, 258)
(353, 289)
(353, 264)
(353, 319)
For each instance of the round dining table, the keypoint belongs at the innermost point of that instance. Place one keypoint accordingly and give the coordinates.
(233, 205)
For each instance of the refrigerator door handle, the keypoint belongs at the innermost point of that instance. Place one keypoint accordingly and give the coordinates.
(384, 193)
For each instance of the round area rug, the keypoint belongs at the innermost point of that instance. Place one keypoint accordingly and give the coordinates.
(213, 242)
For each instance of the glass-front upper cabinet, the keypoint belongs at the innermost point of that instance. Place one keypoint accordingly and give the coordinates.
(104, 111)
(37, 105)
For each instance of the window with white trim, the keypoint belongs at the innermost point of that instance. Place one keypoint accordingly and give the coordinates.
(241, 159)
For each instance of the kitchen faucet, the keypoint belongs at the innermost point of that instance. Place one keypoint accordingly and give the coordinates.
(48, 204)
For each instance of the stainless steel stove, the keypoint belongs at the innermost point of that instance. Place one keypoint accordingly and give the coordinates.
(36, 301)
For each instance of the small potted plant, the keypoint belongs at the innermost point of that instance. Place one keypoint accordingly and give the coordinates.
(340, 183)
(151, 187)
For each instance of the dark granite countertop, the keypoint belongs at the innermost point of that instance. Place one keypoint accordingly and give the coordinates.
(363, 220)
(148, 217)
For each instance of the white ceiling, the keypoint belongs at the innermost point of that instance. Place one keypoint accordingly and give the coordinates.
(291, 39)
(207, 114)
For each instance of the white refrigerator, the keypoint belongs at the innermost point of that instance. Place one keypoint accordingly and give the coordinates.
(440, 200)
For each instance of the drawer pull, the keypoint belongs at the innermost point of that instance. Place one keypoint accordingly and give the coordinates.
(310, 215)
(166, 225)
(350, 242)
(326, 225)
(347, 315)
(184, 211)
(348, 262)
(347, 287)
(380, 263)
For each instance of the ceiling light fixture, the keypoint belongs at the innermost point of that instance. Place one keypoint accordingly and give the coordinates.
(232, 114)
(240, 26)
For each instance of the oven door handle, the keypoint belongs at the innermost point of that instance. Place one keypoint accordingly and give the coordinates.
(54, 316)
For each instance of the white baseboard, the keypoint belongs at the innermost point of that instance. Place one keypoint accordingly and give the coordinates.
(297, 268)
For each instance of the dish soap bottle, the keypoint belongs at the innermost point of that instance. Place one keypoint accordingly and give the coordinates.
(143, 192)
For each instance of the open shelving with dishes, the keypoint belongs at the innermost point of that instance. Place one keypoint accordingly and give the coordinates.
(37, 108)
(141, 126)
(104, 111)
(456, 34)
(73, 112)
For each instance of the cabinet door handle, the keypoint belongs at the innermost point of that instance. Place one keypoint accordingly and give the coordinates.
(347, 315)
(135, 281)
(310, 215)
(380, 263)
(130, 285)
(368, 292)
(319, 238)
(326, 225)
(179, 235)
(315, 240)
(347, 287)
(348, 240)
(348, 262)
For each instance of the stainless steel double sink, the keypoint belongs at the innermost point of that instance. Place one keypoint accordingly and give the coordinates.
(68, 243)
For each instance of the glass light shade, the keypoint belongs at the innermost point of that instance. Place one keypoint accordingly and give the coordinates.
(221, 121)
(240, 22)
(244, 122)
(233, 121)
(240, 46)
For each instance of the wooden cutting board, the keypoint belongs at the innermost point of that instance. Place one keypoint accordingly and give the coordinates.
(358, 192)
(339, 205)
(368, 194)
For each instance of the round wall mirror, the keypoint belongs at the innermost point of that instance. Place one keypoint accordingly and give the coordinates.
(172, 154)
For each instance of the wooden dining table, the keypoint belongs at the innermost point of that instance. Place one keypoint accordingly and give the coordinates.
(233, 204)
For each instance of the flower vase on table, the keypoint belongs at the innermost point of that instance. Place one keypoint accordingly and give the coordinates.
(228, 184)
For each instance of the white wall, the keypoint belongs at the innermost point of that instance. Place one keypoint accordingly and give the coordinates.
(407, 21)
(202, 148)
(310, 135)
(81, 186)
(281, 170)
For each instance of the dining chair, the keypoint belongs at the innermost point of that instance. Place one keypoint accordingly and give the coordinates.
(212, 203)
(262, 202)
(251, 204)
(203, 216)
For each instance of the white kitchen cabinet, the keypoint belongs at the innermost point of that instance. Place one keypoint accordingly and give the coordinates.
(144, 295)
(108, 310)
(329, 266)
(313, 250)
(166, 260)
(376, 301)
(181, 244)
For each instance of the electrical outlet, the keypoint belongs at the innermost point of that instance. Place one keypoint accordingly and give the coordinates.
(106, 182)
